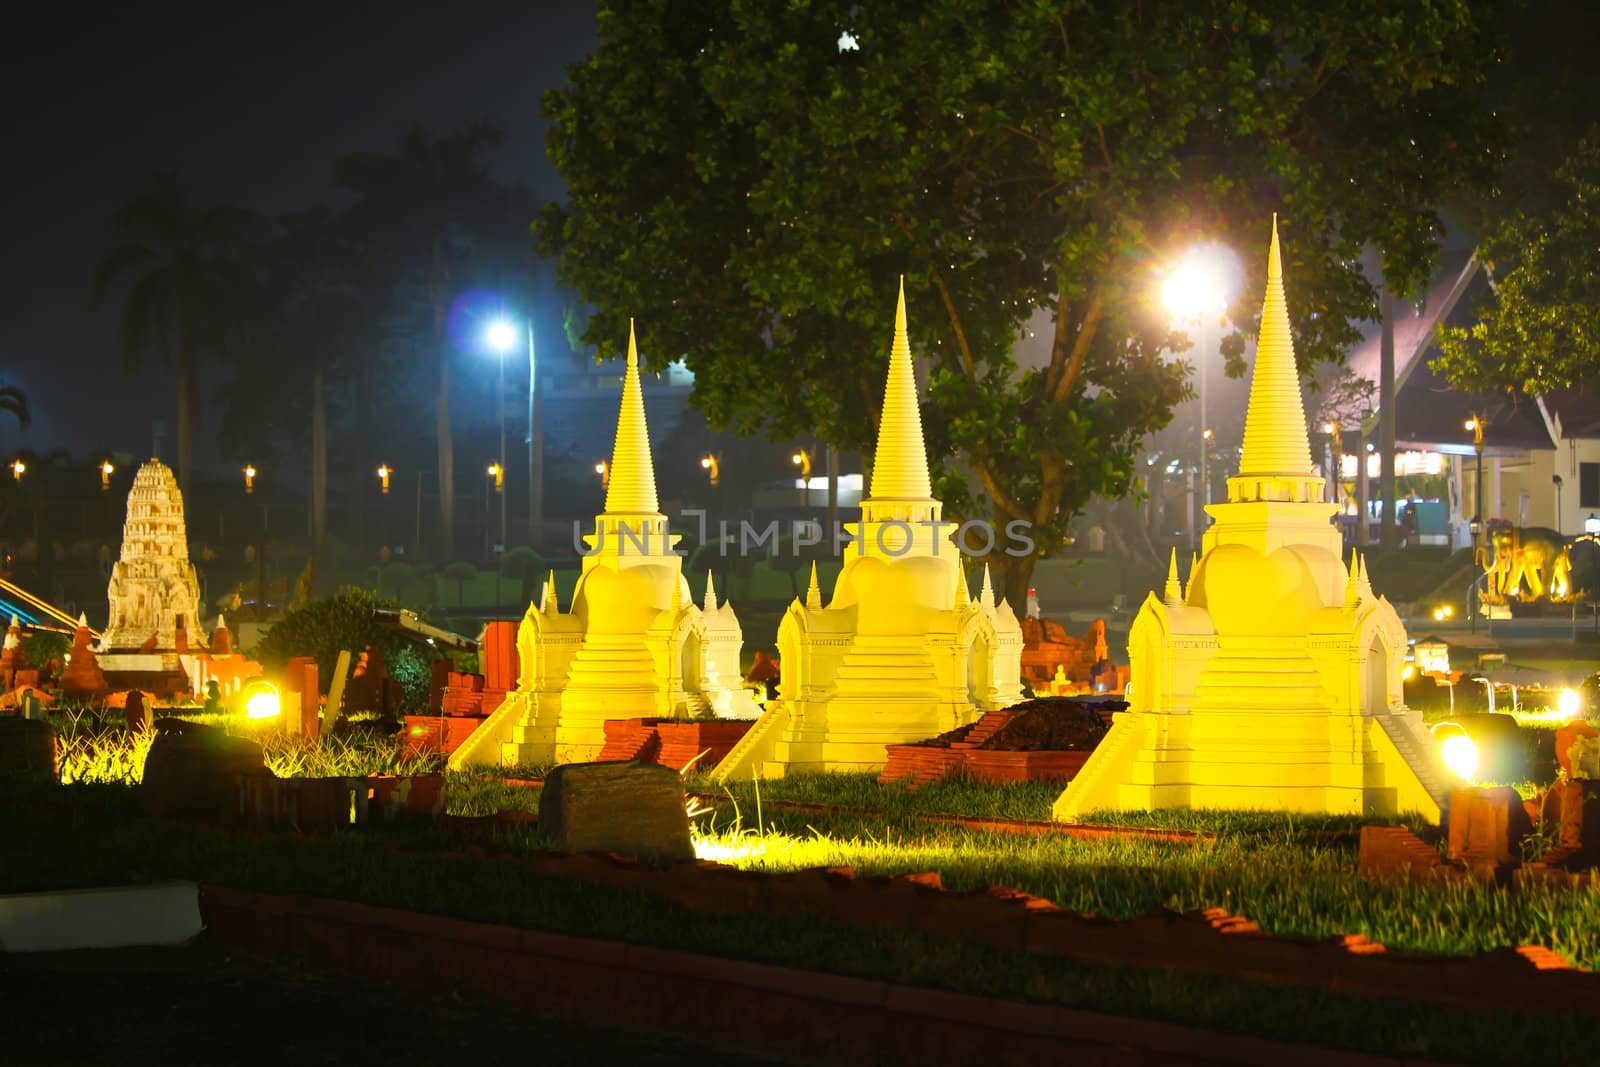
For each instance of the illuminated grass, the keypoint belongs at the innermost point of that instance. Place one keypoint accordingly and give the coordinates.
(97, 748)
(1291, 884)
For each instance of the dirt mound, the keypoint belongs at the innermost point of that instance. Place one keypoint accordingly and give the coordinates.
(1048, 724)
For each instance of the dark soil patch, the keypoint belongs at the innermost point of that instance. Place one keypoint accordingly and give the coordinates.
(1048, 724)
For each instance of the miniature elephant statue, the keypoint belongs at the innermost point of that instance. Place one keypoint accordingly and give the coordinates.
(1531, 555)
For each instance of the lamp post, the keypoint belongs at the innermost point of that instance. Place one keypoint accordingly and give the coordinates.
(106, 470)
(1194, 291)
(1475, 424)
(18, 469)
(502, 336)
(604, 472)
(802, 459)
(384, 472)
(712, 465)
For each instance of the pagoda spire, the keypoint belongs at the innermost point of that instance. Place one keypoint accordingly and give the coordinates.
(986, 591)
(631, 483)
(814, 590)
(1275, 439)
(549, 604)
(1352, 585)
(963, 597)
(900, 464)
(1173, 592)
(711, 592)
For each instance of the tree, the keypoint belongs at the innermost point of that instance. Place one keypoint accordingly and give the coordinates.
(14, 402)
(748, 182)
(428, 208)
(1539, 327)
(180, 262)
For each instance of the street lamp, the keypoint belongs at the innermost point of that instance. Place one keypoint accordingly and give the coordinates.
(106, 470)
(1475, 424)
(383, 477)
(1194, 289)
(18, 468)
(249, 478)
(502, 338)
(712, 465)
(802, 459)
(501, 335)
(605, 474)
(1591, 524)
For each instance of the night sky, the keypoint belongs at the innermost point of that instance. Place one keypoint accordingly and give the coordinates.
(251, 107)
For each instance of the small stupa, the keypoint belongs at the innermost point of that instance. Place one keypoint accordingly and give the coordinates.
(82, 676)
(154, 592)
(632, 644)
(901, 651)
(1272, 681)
(219, 663)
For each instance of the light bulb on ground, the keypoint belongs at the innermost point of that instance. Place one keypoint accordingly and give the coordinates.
(1460, 754)
(1569, 703)
(263, 704)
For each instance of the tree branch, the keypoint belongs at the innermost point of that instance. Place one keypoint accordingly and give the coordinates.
(1002, 500)
(963, 349)
(1066, 364)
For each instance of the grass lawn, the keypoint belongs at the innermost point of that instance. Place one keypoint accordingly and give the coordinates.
(51, 845)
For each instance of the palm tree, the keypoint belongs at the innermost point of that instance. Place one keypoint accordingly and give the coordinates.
(15, 403)
(177, 262)
(430, 201)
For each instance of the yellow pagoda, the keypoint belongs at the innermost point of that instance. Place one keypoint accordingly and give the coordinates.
(901, 651)
(1273, 680)
(633, 644)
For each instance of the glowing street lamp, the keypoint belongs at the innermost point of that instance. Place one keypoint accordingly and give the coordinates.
(605, 474)
(1195, 289)
(383, 477)
(712, 465)
(249, 478)
(802, 459)
(106, 470)
(498, 473)
(18, 468)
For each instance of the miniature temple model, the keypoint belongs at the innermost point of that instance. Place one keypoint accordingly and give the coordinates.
(154, 594)
(632, 644)
(1273, 680)
(902, 651)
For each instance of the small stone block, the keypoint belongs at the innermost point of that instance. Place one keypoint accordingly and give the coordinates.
(1486, 825)
(635, 809)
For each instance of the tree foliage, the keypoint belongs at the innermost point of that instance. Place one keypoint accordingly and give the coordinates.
(179, 262)
(749, 180)
(1539, 327)
(343, 622)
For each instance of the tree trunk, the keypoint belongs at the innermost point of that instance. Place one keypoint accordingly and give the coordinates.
(185, 371)
(441, 413)
(1389, 534)
(1011, 580)
(446, 455)
(319, 460)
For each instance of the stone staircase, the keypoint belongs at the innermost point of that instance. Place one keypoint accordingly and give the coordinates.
(990, 724)
(1419, 756)
(629, 739)
(1106, 755)
(740, 760)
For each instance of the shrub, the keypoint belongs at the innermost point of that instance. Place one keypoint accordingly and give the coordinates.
(343, 622)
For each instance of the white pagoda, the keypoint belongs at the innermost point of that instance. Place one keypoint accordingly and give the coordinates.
(901, 651)
(1273, 681)
(633, 644)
